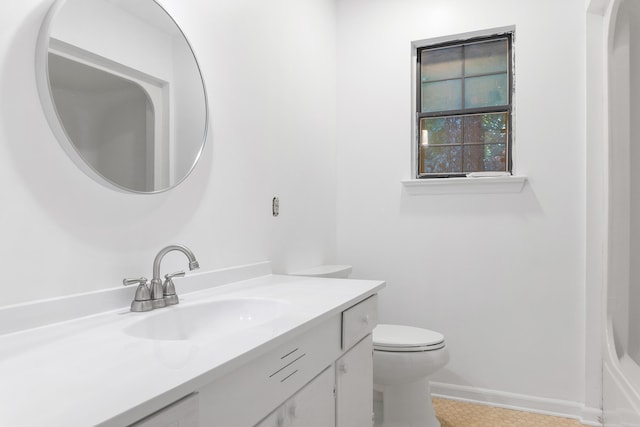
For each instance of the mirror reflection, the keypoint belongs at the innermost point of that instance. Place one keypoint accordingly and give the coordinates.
(123, 92)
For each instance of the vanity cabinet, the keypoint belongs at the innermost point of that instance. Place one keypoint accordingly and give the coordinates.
(243, 348)
(320, 378)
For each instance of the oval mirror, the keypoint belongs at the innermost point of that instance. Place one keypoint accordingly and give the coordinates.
(122, 91)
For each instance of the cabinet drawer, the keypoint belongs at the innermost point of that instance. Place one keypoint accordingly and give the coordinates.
(358, 321)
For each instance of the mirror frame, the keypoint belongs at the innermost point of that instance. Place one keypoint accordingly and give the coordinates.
(53, 118)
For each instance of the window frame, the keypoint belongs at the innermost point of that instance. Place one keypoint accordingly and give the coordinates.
(454, 40)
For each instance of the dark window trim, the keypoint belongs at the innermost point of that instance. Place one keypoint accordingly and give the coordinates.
(419, 47)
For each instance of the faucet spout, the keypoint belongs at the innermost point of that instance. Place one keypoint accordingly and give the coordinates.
(157, 293)
(193, 263)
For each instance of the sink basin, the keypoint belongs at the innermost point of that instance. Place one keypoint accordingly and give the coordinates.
(208, 320)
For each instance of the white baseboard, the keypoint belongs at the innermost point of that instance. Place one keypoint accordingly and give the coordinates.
(519, 402)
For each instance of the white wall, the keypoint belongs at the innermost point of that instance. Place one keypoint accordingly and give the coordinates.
(63, 233)
(501, 275)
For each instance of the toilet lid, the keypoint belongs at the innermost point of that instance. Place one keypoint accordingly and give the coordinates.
(406, 338)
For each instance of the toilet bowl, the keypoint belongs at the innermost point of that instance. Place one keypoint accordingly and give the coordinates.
(403, 359)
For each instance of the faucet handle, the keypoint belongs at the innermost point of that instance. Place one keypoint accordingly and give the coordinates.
(176, 274)
(142, 300)
(170, 296)
(141, 280)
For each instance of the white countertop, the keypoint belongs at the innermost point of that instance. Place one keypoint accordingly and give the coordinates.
(88, 371)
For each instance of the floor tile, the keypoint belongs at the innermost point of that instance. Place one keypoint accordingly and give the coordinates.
(453, 413)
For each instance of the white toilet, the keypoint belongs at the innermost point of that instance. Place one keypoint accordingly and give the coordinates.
(403, 359)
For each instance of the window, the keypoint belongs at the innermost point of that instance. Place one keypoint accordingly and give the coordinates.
(464, 92)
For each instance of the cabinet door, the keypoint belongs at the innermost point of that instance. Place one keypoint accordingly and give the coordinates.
(278, 418)
(312, 406)
(354, 386)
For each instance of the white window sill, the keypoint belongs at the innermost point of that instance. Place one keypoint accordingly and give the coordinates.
(463, 185)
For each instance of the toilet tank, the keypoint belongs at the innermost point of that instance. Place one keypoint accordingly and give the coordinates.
(330, 271)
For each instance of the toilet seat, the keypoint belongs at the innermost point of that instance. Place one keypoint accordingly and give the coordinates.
(401, 338)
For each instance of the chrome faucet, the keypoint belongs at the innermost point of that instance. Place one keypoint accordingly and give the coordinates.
(157, 295)
(157, 291)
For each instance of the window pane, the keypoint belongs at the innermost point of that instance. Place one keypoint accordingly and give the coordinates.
(441, 64)
(464, 106)
(486, 58)
(441, 130)
(435, 159)
(485, 128)
(489, 157)
(486, 91)
(441, 96)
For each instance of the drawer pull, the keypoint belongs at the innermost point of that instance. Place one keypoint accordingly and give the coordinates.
(288, 364)
(289, 354)
(288, 376)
